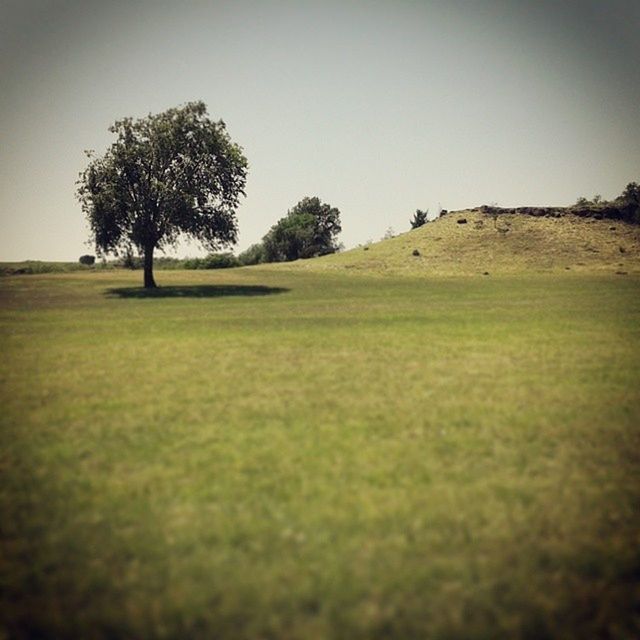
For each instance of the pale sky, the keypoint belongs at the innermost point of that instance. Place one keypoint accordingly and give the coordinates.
(377, 107)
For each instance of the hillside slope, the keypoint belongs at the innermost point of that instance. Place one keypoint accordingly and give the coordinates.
(507, 243)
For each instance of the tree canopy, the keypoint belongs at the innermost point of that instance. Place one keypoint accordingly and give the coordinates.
(309, 229)
(172, 174)
(630, 195)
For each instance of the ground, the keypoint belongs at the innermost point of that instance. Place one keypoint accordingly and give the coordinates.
(282, 453)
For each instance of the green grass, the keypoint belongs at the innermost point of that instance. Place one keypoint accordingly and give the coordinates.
(265, 453)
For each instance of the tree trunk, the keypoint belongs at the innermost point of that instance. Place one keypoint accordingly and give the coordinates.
(149, 282)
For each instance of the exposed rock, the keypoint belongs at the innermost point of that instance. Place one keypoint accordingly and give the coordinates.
(628, 213)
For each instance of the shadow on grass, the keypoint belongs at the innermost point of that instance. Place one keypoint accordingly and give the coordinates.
(195, 291)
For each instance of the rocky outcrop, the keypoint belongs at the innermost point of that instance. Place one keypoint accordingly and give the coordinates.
(627, 213)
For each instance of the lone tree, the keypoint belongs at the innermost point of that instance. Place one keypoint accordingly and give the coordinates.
(171, 174)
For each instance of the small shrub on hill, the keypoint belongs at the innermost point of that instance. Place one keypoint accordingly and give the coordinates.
(419, 218)
(87, 260)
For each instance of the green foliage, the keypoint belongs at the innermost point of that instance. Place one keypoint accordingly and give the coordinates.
(630, 195)
(419, 218)
(308, 230)
(87, 260)
(212, 261)
(627, 203)
(176, 173)
(630, 200)
(168, 263)
(253, 255)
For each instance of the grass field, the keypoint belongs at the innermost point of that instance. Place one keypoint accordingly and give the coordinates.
(281, 454)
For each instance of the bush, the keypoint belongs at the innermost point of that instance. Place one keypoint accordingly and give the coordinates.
(625, 207)
(255, 254)
(87, 259)
(213, 261)
(168, 263)
(630, 195)
(419, 218)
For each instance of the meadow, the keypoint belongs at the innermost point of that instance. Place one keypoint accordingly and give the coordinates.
(273, 453)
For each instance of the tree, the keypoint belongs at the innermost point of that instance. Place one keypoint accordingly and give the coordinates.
(87, 260)
(172, 174)
(629, 200)
(630, 195)
(419, 218)
(308, 230)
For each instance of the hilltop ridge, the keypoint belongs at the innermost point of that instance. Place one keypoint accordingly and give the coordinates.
(604, 211)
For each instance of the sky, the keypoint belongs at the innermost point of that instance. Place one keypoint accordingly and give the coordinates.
(377, 107)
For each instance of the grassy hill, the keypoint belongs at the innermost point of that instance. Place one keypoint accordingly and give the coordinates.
(505, 243)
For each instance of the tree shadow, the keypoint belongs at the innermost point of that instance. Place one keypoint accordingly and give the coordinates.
(195, 291)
